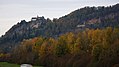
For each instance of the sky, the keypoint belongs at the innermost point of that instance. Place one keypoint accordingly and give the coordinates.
(13, 11)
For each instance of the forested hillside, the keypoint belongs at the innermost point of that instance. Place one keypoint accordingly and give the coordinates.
(87, 37)
(76, 21)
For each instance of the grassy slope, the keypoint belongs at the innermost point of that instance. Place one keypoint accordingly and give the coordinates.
(5, 64)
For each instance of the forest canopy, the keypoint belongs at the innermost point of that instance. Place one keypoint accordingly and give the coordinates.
(89, 48)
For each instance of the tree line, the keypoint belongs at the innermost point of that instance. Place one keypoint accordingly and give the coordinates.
(89, 48)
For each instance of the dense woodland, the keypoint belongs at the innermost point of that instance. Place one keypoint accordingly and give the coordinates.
(87, 37)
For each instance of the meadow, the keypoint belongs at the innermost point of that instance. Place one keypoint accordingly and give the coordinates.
(6, 64)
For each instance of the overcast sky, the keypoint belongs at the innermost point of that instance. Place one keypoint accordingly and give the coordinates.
(13, 11)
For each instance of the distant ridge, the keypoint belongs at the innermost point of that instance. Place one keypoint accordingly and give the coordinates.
(76, 21)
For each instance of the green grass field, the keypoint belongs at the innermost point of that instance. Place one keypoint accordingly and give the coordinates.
(5, 64)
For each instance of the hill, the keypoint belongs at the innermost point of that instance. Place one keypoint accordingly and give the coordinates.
(78, 20)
